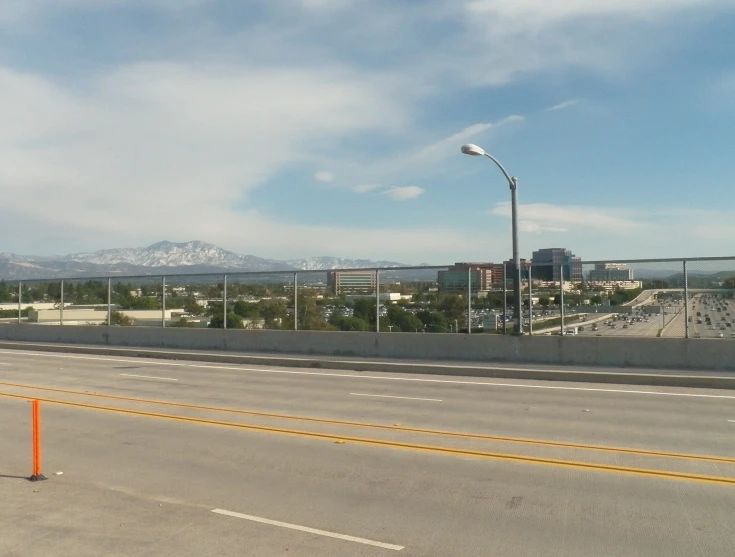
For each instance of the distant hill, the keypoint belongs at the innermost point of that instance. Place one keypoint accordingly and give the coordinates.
(165, 258)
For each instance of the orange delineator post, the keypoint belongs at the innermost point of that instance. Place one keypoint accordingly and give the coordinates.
(36, 411)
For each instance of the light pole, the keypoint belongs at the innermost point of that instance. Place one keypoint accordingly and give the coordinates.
(476, 151)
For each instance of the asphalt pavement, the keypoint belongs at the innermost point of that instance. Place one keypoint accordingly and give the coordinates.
(194, 458)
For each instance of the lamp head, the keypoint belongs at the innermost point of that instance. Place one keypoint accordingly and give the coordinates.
(474, 150)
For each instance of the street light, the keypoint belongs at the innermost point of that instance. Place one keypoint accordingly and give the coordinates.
(476, 151)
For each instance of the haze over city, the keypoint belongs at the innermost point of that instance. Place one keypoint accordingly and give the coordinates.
(312, 127)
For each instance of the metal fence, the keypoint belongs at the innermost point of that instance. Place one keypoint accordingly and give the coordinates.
(690, 298)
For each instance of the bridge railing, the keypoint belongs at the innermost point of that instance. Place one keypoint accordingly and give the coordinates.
(678, 298)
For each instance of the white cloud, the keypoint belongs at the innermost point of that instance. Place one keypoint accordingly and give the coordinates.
(563, 105)
(14, 11)
(403, 193)
(544, 217)
(449, 146)
(544, 10)
(324, 176)
(535, 228)
(365, 188)
(173, 143)
(162, 143)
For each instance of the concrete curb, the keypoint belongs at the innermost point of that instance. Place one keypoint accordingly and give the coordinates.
(461, 370)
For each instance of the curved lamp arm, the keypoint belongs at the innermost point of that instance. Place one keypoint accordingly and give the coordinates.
(511, 179)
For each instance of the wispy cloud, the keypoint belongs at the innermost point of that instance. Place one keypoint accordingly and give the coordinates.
(562, 105)
(365, 188)
(573, 9)
(196, 127)
(324, 176)
(403, 193)
(544, 217)
(168, 133)
(449, 146)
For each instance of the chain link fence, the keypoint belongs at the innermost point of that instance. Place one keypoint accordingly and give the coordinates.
(654, 298)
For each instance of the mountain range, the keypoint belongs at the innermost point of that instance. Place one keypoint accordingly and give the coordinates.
(165, 257)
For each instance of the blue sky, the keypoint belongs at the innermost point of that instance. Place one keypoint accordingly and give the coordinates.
(298, 128)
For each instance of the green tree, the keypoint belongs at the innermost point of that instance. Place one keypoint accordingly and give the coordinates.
(453, 307)
(403, 320)
(729, 282)
(5, 295)
(192, 307)
(433, 320)
(311, 315)
(544, 301)
(140, 302)
(344, 323)
(657, 283)
(234, 321)
(247, 310)
(183, 322)
(120, 319)
(364, 308)
(274, 312)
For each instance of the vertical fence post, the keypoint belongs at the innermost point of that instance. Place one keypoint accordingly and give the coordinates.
(109, 302)
(663, 316)
(163, 302)
(377, 301)
(20, 298)
(561, 296)
(469, 300)
(295, 301)
(36, 413)
(61, 306)
(224, 303)
(530, 303)
(686, 301)
(505, 301)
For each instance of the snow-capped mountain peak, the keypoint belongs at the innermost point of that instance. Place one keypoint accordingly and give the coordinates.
(171, 254)
(167, 257)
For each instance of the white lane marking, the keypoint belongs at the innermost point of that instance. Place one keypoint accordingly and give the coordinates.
(731, 421)
(403, 397)
(100, 358)
(4, 364)
(309, 530)
(155, 363)
(408, 379)
(147, 377)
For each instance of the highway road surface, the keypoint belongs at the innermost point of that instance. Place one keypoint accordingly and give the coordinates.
(177, 458)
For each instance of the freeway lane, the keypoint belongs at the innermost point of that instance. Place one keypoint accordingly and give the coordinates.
(163, 478)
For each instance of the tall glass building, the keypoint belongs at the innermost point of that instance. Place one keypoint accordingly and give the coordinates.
(547, 264)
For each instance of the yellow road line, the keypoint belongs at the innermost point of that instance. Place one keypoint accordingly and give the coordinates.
(494, 438)
(645, 472)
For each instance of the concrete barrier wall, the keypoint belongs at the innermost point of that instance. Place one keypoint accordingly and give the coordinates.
(589, 351)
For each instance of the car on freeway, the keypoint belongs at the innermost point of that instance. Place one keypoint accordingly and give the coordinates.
(720, 335)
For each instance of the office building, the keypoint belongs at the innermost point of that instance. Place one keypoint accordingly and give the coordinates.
(351, 281)
(510, 270)
(481, 277)
(548, 263)
(610, 272)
